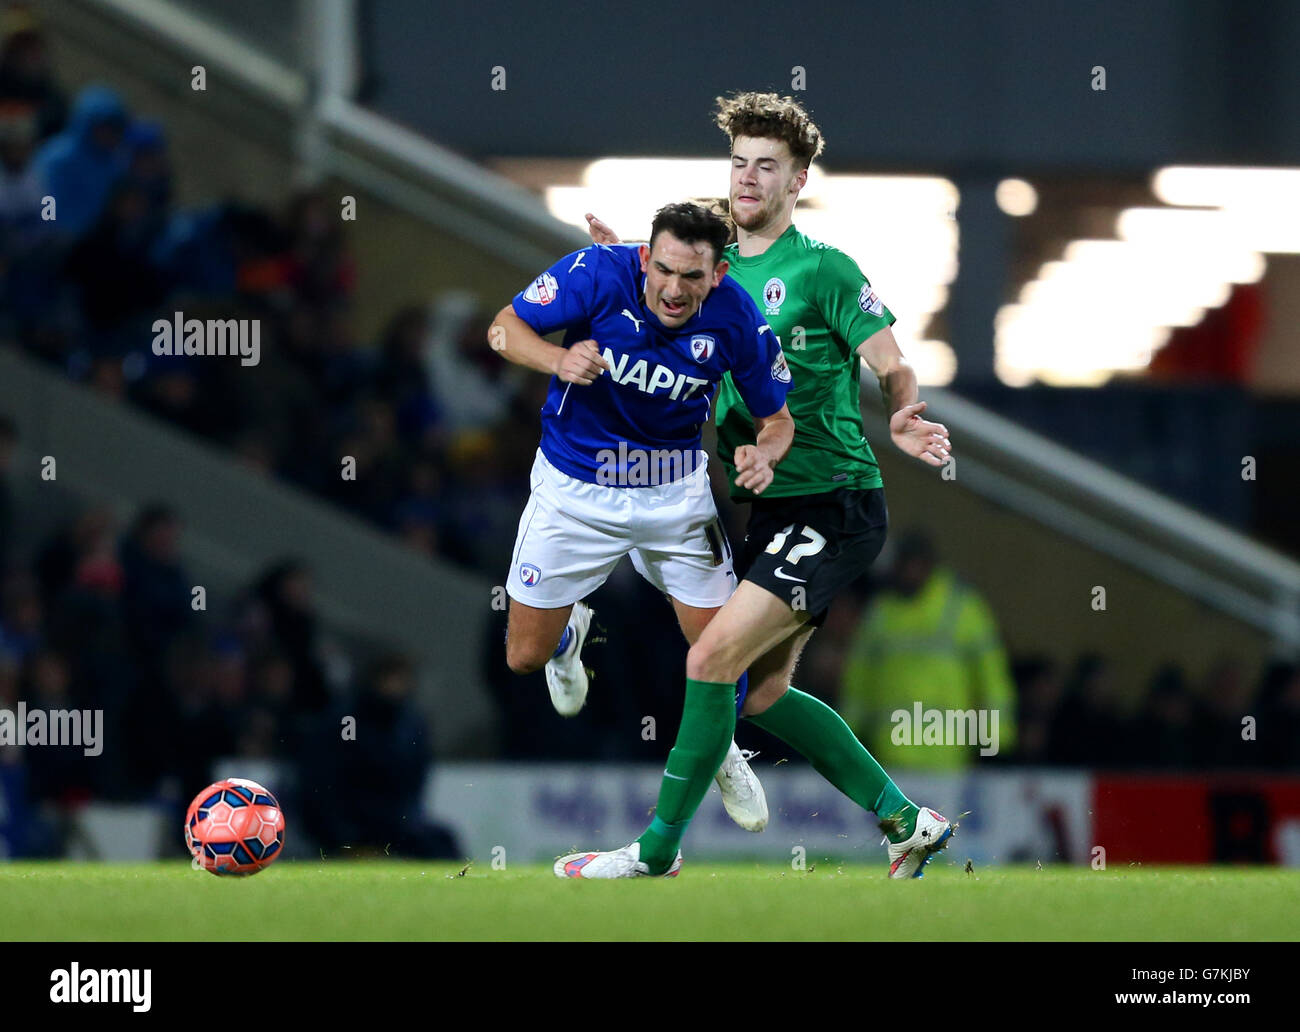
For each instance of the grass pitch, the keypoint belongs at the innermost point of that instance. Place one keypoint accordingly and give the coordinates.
(391, 900)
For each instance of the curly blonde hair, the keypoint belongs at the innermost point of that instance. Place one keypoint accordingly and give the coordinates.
(767, 116)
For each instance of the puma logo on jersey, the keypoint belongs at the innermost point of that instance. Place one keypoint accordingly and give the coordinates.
(577, 262)
(650, 380)
(635, 321)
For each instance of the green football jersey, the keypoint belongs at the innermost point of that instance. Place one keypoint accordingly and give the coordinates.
(821, 307)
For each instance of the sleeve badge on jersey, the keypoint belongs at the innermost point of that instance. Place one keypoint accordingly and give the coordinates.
(869, 301)
(542, 290)
(780, 371)
(702, 348)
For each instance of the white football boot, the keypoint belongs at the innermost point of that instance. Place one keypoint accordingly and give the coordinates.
(907, 859)
(617, 863)
(566, 677)
(742, 792)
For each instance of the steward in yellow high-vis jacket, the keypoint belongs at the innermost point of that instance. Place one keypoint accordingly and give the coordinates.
(926, 680)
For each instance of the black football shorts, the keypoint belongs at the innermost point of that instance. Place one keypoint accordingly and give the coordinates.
(804, 549)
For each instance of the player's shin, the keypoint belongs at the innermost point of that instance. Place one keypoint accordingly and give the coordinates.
(817, 731)
(708, 723)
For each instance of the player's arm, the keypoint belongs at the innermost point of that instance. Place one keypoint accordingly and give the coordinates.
(562, 297)
(519, 343)
(917, 437)
(756, 463)
(854, 311)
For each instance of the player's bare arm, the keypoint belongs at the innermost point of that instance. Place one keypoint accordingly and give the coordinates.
(513, 338)
(913, 435)
(756, 463)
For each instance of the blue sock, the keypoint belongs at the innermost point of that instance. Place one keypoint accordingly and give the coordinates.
(742, 689)
(565, 638)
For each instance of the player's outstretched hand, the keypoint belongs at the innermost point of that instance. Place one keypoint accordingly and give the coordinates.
(581, 363)
(753, 471)
(918, 437)
(600, 233)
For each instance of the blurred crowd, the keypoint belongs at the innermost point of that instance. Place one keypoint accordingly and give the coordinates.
(441, 430)
(103, 617)
(443, 434)
(93, 249)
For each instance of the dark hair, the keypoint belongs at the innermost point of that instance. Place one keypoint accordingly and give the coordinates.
(690, 223)
(721, 207)
(769, 117)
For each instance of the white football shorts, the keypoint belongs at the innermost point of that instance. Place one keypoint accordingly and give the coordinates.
(573, 533)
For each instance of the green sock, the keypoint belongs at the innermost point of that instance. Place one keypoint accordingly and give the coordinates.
(708, 724)
(818, 732)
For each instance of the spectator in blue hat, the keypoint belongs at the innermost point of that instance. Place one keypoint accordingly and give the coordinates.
(80, 165)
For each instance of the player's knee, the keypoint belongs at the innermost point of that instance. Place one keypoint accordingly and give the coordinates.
(525, 657)
(699, 659)
(708, 662)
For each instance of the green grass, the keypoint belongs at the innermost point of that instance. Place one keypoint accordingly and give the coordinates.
(380, 899)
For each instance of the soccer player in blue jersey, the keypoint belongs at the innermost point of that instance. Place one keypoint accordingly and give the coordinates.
(650, 331)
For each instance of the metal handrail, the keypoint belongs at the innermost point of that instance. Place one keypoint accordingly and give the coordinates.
(1053, 464)
(1080, 498)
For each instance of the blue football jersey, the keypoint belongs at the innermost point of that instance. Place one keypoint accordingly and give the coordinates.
(659, 389)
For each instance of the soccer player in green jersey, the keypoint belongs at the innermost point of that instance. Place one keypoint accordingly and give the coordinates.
(818, 526)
